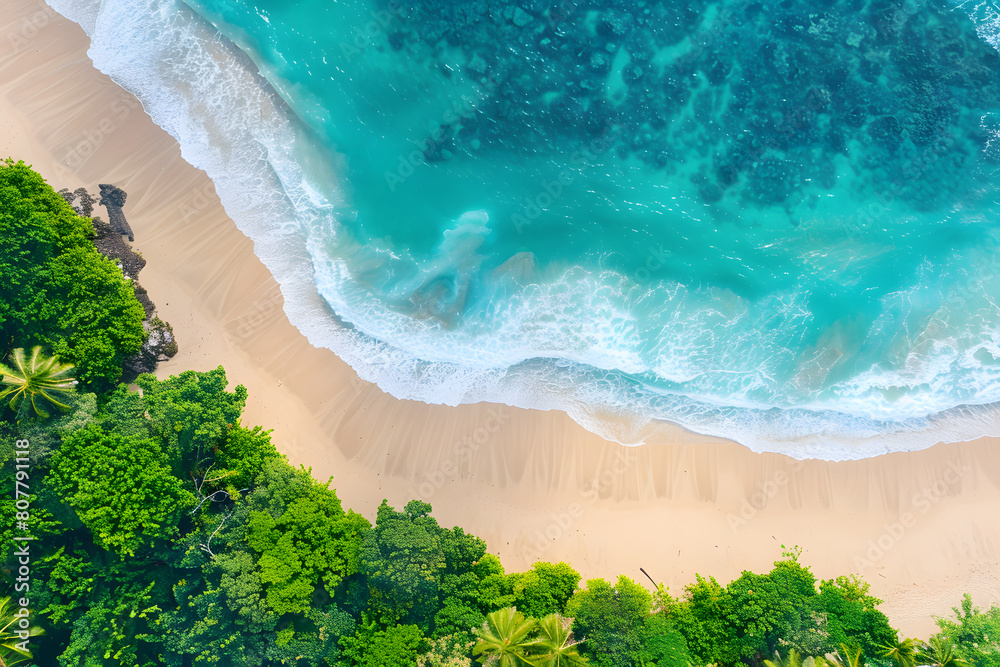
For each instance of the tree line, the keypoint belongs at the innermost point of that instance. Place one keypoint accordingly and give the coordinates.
(169, 533)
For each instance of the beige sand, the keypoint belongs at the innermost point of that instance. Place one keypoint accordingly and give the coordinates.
(534, 485)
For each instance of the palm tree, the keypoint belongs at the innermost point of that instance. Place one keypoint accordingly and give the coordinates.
(39, 379)
(504, 638)
(556, 647)
(794, 659)
(849, 655)
(10, 654)
(904, 653)
(940, 652)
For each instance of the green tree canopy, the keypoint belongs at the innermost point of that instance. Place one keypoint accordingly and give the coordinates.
(974, 633)
(404, 559)
(556, 646)
(493, 590)
(902, 653)
(14, 647)
(664, 644)
(243, 455)
(395, 646)
(192, 411)
(700, 617)
(121, 488)
(56, 289)
(756, 610)
(302, 536)
(611, 620)
(853, 615)
(220, 616)
(940, 651)
(544, 589)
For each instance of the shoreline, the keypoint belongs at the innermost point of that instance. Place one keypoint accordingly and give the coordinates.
(533, 484)
(281, 202)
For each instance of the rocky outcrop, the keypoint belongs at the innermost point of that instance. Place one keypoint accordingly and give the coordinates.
(113, 199)
(160, 345)
(110, 244)
(80, 200)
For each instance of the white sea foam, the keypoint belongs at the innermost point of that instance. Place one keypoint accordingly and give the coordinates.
(208, 95)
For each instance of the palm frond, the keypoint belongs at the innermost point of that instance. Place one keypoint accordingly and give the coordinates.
(37, 381)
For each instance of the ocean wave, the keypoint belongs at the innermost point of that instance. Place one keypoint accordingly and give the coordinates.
(209, 95)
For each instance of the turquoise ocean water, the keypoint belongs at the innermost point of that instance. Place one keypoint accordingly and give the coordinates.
(771, 221)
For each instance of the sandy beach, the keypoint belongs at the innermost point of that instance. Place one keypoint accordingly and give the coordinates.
(921, 527)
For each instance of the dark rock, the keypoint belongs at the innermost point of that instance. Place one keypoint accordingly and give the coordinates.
(143, 361)
(160, 345)
(161, 339)
(112, 195)
(869, 69)
(113, 199)
(143, 296)
(80, 200)
(709, 191)
(855, 117)
(836, 141)
(86, 201)
(110, 244)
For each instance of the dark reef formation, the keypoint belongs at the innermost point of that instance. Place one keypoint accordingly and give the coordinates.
(759, 99)
(110, 244)
(113, 199)
(81, 201)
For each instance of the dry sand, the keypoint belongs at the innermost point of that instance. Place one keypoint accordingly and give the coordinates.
(533, 484)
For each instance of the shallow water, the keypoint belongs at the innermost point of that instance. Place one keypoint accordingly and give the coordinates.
(774, 222)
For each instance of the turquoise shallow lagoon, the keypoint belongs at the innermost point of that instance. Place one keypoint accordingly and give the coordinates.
(775, 222)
